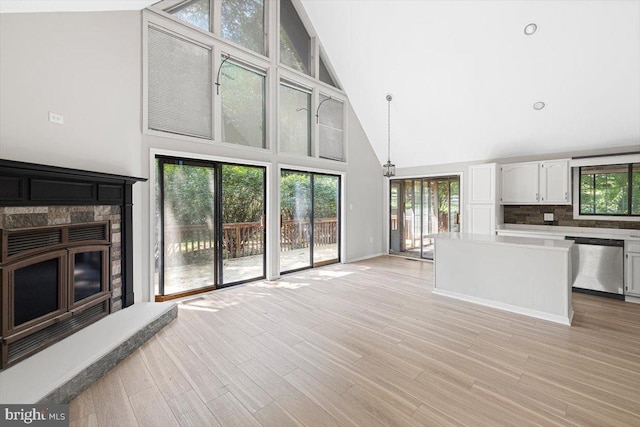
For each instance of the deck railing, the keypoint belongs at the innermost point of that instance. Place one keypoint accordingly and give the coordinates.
(244, 239)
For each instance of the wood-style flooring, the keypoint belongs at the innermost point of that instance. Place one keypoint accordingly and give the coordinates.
(367, 344)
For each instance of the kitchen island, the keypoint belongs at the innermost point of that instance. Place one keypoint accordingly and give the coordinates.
(523, 275)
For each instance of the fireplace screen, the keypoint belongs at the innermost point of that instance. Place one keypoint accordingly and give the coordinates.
(51, 287)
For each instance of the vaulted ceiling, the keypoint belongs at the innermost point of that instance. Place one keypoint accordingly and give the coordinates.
(464, 76)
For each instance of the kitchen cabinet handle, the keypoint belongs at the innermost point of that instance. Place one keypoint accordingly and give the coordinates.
(566, 196)
(537, 196)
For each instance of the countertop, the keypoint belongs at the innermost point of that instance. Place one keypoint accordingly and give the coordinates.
(552, 230)
(531, 242)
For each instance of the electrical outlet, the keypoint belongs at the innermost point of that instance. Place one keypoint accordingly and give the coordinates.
(370, 239)
(56, 118)
(548, 217)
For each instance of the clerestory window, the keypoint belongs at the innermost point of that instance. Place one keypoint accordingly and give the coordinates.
(295, 120)
(295, 42)
(243, 105)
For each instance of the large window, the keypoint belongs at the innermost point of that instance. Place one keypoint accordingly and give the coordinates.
(610, 190)
(331, 122)
(179, 85)
(243, 23)
(295, 43)
(195, 12)
(309, 220)
(203, 82)
(209, 225)
(243, 105)
(420, 208)
(295, 120)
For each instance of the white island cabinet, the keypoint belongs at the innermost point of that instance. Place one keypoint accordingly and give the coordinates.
(522, 275)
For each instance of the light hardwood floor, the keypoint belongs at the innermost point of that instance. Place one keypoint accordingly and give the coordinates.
(367, 344)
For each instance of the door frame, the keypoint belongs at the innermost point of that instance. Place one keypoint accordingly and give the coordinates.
(340, 211)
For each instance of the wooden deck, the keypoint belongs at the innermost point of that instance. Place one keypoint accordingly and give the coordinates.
(367, 344)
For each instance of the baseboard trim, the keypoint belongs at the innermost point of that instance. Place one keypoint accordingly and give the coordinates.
(565, 320)
(349, 261)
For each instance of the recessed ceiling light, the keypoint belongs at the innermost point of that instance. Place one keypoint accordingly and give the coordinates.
(538, 105)
(530, 29)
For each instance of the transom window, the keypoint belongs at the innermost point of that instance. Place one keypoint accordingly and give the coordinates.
(610, 190)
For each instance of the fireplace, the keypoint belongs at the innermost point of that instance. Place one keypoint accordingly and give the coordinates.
(66, 253)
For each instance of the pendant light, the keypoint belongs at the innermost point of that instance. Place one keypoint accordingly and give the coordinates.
(389, 169)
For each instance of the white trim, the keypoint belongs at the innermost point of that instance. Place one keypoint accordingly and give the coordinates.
(632, 299)
(605, 160)
(507, 307)
(363, 258)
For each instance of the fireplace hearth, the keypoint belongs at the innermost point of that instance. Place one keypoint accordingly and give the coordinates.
(66, 253)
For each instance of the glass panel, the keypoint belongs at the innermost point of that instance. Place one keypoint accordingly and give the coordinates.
(243, 23)
(179, 86)
(454, 204)
(295, 121)
(331, 122)
(295, 216)
(87, 275)
(394, 238)
(295, 43)
(325, 76)
(243, 235)
(326, 190)
(189, 242)
(604, 190)
(195, 12)
(243, 114)
(635, 182)
(35, 291)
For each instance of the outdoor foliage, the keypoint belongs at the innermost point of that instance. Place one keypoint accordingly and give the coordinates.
(605, 190)
(295, 196)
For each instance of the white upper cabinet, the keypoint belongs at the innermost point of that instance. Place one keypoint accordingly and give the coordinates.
(483, 211)
(482, 183)
(555, 176)
(533, 183)
(520, 183)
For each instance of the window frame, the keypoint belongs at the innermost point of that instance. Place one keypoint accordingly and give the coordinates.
(344, 127)
(603, 217)
(302, 88)
(265, 102)
(155, 16)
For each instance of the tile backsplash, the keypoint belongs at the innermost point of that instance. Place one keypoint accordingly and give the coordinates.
(563, 216)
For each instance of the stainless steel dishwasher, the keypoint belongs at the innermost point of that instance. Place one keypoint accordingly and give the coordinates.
(598, 266)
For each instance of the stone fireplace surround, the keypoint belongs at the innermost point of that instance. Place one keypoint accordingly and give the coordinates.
(34, 195)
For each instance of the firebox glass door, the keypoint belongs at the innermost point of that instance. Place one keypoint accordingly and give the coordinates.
(35, 291)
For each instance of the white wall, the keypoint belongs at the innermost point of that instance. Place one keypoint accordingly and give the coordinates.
(85, 66)
(88, 67)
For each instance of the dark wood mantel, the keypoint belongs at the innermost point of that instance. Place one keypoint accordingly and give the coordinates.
(29, 184)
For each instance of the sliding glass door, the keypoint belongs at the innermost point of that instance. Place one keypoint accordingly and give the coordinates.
(419, 208)
(309, 220)
(210, 225)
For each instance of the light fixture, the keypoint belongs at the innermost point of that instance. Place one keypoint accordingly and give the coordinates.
(530, 29)
(389, 169)
(539, 105)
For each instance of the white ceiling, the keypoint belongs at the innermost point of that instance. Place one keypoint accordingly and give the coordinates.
(464, 76)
